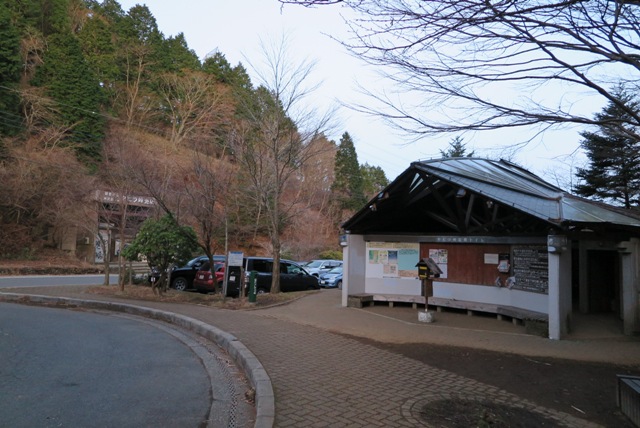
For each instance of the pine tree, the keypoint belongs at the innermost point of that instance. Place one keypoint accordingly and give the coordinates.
(69, 81)
(54, 17)
(109, 9)
(348, 185)
(374, 179)
(613, 171)
(216, 63)
(99, 50)
(140, 29)
(10, 122)
(457, 149)
(177, 55)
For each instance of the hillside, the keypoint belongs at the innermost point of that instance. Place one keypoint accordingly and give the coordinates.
(106, 122)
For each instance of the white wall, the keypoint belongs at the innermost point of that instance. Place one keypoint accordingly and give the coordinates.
(559, 294)
(490, 294)
(411, 287)
(630, 298)
(354, 255)
(356, 282)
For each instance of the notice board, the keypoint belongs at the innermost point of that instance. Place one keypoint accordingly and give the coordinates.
(531, 268)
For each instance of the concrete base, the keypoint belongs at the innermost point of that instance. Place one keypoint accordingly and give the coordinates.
(424, 316)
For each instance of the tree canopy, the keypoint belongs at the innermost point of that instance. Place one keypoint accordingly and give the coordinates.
(373, 179)
(96, 97)
(10, 63)
(348, 184)
(457, 148)
(613, 170)
(163, 243)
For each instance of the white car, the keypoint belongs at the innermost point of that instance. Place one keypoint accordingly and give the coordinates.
(318, 267)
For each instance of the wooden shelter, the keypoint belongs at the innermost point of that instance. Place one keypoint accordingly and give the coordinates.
(506, 241)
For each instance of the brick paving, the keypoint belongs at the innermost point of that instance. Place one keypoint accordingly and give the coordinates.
(323, 379)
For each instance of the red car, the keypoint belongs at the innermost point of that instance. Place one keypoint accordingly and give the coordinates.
(207, 281)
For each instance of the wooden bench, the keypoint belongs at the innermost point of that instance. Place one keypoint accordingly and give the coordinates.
(522, 314)
(470, 307)
(361, 300)
(534, 321)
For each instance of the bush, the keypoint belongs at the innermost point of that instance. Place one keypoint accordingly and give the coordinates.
(331, 255)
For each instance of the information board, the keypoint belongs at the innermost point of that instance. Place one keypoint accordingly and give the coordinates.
(531, 268)
(392, 260)
(235, 258)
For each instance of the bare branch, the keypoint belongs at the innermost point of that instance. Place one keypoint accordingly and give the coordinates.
(458, 65)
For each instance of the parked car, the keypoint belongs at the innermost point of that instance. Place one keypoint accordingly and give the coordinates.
(293, 277)
(182, 277)
(332, 279)
(318, 267)
(209, 280)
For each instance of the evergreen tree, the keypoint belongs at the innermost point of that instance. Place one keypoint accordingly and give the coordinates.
(348, 184)
(108, 9)
(139, 28)
(10, 61)
(163, 242)
(177, 55)
(54, 17)
(237, 76)
(25, 13)
(457, 149)
(374, 179)
(218, 65)
(68, 80)
(241, 79)
(140, 24)
(99, 50)
(613, 171)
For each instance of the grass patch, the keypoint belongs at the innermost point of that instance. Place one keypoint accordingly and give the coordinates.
(213, 300)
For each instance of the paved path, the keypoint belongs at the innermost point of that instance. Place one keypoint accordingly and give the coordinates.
(321, 378)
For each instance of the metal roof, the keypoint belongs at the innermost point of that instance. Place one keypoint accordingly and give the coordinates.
(512, 185)
(509, 185)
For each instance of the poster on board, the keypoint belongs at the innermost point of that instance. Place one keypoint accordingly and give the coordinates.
(441, 257)
(392, 260)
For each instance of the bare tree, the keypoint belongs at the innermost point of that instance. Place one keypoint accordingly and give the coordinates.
(480, 65)
(193, 100)
(118, 207)
(208, 184)
(272, 142)
(138, 104)
(191, 191)
(42, 197)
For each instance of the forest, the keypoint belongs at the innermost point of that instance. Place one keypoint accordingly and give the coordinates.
(96, 101)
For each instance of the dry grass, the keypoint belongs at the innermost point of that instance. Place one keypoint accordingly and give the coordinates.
(138, 292)
(48, 262)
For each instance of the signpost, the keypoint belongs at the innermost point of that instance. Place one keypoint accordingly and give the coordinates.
(233, 271)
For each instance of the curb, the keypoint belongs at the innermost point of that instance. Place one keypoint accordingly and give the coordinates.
(241, 355)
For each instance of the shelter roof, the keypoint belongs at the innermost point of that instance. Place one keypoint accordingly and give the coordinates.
(481, 196)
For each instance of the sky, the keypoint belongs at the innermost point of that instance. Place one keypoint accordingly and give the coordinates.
(237, 28)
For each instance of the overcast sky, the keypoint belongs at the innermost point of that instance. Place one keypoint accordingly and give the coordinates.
(236, 27)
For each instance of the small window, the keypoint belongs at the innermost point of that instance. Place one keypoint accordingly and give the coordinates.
(293, 269)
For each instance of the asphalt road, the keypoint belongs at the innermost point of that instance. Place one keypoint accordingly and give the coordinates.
(53, 280)
(73, 368)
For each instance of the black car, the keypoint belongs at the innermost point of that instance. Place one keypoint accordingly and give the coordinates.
(293, 277)
(182, 277)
